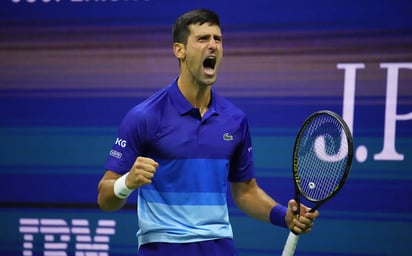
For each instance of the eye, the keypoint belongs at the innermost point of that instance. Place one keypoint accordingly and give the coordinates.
(217, 38)
(203, 38)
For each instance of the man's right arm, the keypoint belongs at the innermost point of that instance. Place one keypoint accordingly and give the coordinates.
(106, 199)
(113, 186)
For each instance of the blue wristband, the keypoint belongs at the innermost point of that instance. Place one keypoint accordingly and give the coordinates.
(277, 216)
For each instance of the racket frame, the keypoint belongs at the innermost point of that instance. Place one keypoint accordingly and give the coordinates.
(296, 180)
(293, 238)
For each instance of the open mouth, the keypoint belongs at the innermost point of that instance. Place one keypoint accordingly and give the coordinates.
(209, 63)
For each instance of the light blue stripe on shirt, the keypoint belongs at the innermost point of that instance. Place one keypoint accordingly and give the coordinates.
(177, 224)
(185, 202)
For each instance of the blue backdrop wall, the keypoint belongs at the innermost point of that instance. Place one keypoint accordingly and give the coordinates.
(70, 69)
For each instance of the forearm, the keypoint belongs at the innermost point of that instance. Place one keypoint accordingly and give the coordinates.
(253, 201)
(257, 206)
(106, 199)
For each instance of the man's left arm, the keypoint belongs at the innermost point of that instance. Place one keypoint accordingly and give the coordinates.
(256, 203)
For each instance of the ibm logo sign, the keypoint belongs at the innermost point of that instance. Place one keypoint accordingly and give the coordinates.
(57, 234)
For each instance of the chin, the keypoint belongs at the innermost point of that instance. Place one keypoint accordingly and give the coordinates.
(210, 80)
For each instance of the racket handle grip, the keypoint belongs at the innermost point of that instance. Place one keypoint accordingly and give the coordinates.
(290, 245)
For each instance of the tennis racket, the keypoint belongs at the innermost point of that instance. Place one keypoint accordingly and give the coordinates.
(322, 158)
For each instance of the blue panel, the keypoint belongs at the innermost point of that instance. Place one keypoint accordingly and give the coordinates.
(71, 69)
(264, 15)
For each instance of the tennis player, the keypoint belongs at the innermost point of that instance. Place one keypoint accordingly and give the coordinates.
(181, 149)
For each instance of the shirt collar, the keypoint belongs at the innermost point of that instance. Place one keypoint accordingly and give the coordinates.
(184, 106)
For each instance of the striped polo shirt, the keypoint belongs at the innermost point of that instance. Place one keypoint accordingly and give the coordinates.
(197, 156)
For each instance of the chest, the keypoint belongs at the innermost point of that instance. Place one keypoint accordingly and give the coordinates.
(186, 136)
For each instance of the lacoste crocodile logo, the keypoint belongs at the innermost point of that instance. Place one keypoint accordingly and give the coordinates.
(227, 137)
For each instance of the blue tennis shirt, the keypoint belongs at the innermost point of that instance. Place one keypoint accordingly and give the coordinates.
(197, 156)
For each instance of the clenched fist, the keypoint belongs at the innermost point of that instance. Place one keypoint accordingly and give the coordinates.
(141, 173)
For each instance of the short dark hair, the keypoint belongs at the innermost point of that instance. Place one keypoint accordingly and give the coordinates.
(200, 16)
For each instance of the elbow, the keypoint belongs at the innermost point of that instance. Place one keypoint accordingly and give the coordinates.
(240, 200)
(106, 200)
(102, 205)
(109, 204)
(103, 201)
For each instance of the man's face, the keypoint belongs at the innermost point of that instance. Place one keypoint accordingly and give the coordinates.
(203, 53)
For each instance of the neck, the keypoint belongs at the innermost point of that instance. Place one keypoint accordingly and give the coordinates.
(198, 95)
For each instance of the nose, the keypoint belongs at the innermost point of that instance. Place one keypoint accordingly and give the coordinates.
(213, 44)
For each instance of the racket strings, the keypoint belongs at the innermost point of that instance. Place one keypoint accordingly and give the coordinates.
(323, 151)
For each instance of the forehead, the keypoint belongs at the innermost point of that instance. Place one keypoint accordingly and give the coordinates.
(206, 28)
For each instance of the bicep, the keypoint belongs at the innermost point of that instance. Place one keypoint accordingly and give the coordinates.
(106, 197)
(242, 190)
(106, 182)
(109, 176)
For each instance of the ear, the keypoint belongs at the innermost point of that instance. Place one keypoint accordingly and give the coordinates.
(179, 50)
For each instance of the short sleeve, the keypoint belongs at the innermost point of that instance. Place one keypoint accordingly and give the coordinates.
(129, 142)
(242, 164)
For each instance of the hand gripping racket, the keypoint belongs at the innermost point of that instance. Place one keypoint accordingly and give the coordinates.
(322, 157)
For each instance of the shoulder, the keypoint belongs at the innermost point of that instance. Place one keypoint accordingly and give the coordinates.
(147, 111)
(150, 105)
(156, 100)
(228, 108)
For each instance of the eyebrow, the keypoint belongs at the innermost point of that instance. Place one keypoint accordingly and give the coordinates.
(219, 37)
